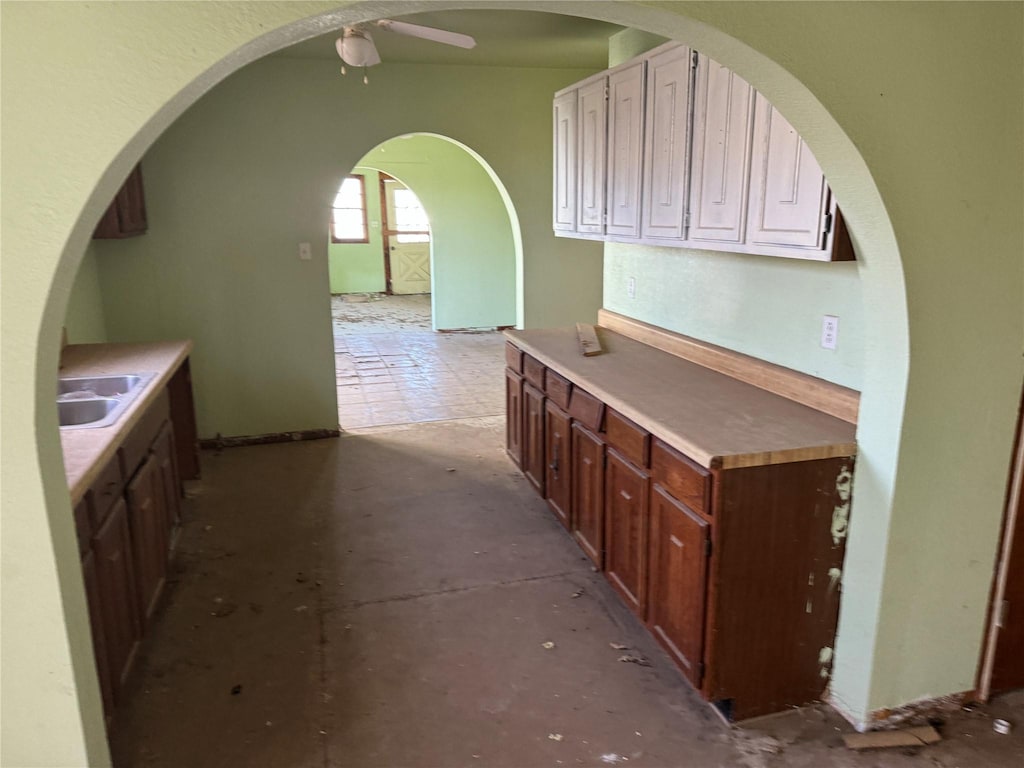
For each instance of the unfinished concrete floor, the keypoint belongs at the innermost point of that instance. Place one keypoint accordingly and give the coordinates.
(383, 599)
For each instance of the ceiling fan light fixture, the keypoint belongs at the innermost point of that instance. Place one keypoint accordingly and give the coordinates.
(356, 49)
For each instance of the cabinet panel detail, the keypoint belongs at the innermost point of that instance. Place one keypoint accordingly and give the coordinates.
(115, 580)
(588, 492)
(666, 148)
(514, 416)
(788, 193)
(625, 150)
(586, 409)
(682, 478)
(592, 130)
(678, 575)
(625, 530)
(564, 141)
(513, 357)
(558, 388)
(149, 533)
(558, 455)
(533, 437)
(722, 134)
(533, 371)
(629, 439)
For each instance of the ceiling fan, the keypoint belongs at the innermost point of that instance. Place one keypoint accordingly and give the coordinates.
(356, 48)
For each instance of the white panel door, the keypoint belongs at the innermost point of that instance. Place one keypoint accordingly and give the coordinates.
(406, 239)
(625, 150)
(666, 146)
(788, 193)
(565, 161)
(722, 132)
(591, 129)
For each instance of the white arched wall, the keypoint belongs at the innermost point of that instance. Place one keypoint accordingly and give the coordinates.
(821, 64)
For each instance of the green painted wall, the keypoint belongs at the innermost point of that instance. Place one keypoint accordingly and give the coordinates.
(359, 267)
(913, 109)
(222, 267)
(84, 320)
(473, 255)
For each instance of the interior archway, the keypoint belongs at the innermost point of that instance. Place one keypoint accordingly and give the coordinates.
(886, 364)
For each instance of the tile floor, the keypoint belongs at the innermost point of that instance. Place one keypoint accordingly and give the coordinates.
(393, 369)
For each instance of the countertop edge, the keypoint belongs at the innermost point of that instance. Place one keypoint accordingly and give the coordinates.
(114, 434)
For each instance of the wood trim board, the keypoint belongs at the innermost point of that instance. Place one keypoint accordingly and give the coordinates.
(824, 396)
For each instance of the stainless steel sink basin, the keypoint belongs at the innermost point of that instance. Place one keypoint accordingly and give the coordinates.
(74, 413)
(98, 386)
(89, 402)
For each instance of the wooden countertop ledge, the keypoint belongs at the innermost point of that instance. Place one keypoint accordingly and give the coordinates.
(714, 419)
(87, 451)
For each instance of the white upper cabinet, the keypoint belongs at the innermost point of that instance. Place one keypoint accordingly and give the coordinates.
(592, 130)
(723, 122)
(788, 192)
(666, 151)
(564, 142)
(625, 150)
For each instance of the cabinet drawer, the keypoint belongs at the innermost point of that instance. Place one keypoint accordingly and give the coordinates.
(513, 357)
(558, 389)
(105, 490)
(681, 477)
(136, 446)
(586, 409)
(533, 370)
(632, 441)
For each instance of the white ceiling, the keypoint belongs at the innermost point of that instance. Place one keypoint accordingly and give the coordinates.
(504, 39)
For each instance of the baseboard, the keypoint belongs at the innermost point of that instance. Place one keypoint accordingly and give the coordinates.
(219, 442)
(919, 710)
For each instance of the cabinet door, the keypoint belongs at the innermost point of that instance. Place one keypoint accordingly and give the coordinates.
(170, 484)
(591, 131)
(564, 141)
(588, 492)
(723, 126)
(149, 531)
(678, 580)
(533, 436)
(625, 531)
(666, 148)
(625, 150)
(788, 193)
(115, 583)
(558, 454)
(514, 416)
(99, 642)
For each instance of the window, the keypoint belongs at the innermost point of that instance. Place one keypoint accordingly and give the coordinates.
(348, 212)
(410, 219)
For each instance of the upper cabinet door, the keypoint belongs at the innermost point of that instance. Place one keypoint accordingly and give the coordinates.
(722, 132)
(788, 193)
(625, 150)
(592, 130)
(666, 152)
(564, 114)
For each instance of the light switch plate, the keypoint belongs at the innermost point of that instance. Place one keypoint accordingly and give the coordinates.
(305, 252)
(829, 331)
(631, 287)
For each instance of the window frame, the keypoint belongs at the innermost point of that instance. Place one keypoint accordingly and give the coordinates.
(366, 229)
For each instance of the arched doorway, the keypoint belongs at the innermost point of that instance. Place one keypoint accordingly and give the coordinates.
(59, 239)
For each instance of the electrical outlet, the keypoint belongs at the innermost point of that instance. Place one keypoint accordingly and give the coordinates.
(829, 331)
(631, 287)
(305, 252)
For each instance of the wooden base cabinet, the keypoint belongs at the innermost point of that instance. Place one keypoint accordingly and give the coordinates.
(558, 454)
(533, 436)
(680, 547)
(625, 530)
(150, 535)
(514, 416)
(588, 492)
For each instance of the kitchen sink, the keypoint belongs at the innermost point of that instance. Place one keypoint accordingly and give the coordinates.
(85, 402)
(98, 386)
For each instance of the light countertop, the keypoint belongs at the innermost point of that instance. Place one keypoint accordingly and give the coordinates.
(715, 420)
(87, 451)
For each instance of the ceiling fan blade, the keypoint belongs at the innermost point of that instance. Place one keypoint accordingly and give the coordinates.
(428, 33)
(356, 48)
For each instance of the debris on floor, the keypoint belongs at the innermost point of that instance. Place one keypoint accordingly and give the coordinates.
(630, 659)
(619, 646)
(555, 736)
(548, 645)
(905, 737)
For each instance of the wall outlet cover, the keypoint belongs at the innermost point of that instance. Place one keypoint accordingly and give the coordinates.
(829, 331)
